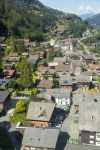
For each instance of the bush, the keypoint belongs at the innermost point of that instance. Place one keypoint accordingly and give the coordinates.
(21, 106)
(19, 117)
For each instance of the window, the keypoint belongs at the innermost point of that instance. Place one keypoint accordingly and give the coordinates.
(91, 142)
(91, 136)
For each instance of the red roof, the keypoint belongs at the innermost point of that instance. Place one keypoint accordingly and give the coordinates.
(13, 54)
(94, 67)
(9, 72)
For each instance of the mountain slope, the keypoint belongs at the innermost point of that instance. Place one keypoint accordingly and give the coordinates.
(94, 20)
(31, 19)
(86, 15)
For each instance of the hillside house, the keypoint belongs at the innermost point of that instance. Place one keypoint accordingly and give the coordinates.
(89, 120)
(40, 139)
(40, 114)
(4, 100)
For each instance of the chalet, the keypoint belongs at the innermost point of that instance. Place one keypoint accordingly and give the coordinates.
(65, 47)
(45, 84)
(41, 55)
(62, 69)
(74, 81)
(40, 114)
(3, 83)
(8, 73)
(66, 82)
(4, 99)
(40, 68)
(95, 45)
(88, 58)
(13, 57)
(82, 80)
(26, 42)
(33, 58)
(47, 74)
(81, 147)
(52, 65)
(77, 98)
(77, 66)
(89, 121)
(94, 67)
(87, 73)
(59, 59)
(60, 96)
(8, 66)
(2, 43)
(3, 46)
(40, 139)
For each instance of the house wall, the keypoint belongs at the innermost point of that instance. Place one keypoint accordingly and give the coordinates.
(66, 87)
(62, 101)
(33, 148)
(1, 106)
(39, 123)
(91, 138)
(5, 104)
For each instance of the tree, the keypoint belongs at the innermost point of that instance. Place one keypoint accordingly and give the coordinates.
(20, 47)
(12, 83)
(56, 82)
(11, 44)
(25, 79)
(34, 91)
(21, 106)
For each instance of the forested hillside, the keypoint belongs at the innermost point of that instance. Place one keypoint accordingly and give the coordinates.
(94, 20)
(31, 19)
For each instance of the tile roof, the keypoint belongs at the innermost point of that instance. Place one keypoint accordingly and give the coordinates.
(13, 54)
(8, 72)
(94, 67)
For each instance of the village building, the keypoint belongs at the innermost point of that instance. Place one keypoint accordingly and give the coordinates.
(4, 100)
(45, 84)
(3, 83)
(89, 121)
(40, 139)
(40, 114)
(13, 57)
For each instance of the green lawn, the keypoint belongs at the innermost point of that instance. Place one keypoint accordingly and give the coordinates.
(19, 117)
(5, 143)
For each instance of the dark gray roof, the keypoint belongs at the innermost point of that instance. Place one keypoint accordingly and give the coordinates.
(8, 65)
(79, 97)
(89, 113)
(83, 79)
(3, 95)
(59, 93)
(40, 111)
(4, 82)
(40, 137)
(14, 58)
(81, 147)
(48, 72)
(70, 80)
(59, 59)
(87, 57)
(66, 80)
(78, 63)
